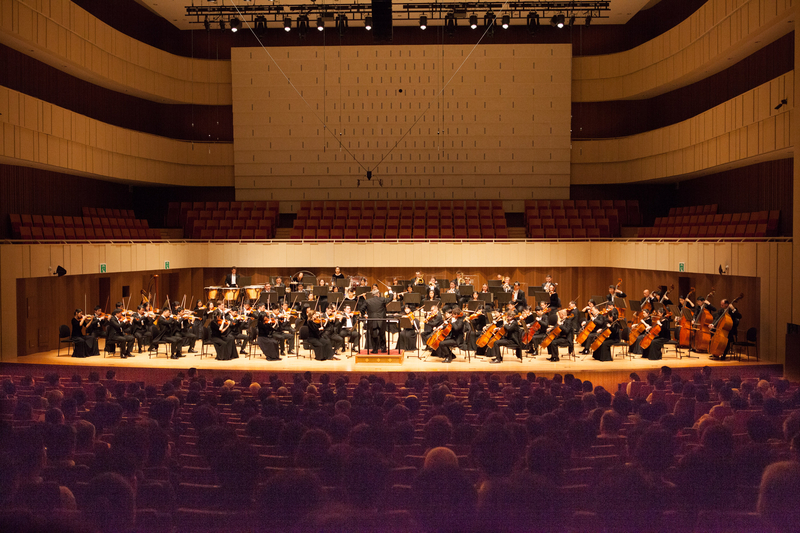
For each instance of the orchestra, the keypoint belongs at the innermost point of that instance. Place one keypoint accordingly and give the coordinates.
(269, 317)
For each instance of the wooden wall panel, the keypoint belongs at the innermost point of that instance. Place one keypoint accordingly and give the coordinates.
(90, 46)
(698, 52)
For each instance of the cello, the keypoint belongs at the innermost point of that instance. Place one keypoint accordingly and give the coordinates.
(685, 338)
(589, 328)
(439, 335)
(703, 322)
(637, 329)
(722, 328)
(487, 335)
(653, 333)
(532, 330)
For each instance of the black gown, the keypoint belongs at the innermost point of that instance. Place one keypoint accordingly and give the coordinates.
(84, 345)
(265, 339)
(653, 352)
(603, 353)
(224, 345)
(322, 346)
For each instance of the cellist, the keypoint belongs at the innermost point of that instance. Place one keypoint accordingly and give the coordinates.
(599, 321)
(565, 338)
(541, 317)
(603, 353)
(646, 320)
(432, 320)
(454, 338)
(727, 307)
(511, 338)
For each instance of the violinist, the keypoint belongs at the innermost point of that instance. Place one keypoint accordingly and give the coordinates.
(239, 329)
(83, 345)
(199, 312)
(454, 317)
(548, 281)
(284, 333)
(518, 298)
(432, 320)
(266, 324)
(141, 330)
(603, 353)
(323, 351)
(407, 338)
(565, 337)
(185, 331)
(542, 317)
(511, 338)
(165, 329)
(95, 327)
(348, 328)
(726, 306)
(117, 336)
(331, 323)
(224, 344)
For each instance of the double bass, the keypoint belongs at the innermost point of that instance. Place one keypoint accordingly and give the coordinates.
(703, 322)
(685, 339)
(722, 327)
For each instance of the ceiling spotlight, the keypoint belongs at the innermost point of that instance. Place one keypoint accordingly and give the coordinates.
(532, 21)
(423, 22)
(221, 24)
(302, 25)
(506, 21)
(557, 21)
(206, 24)
(235, 24)
(588, 19)
(260, 25)
(368, 22)
(572, 21)
(450, 24)
(320, 24)
(473, 21)
(341, 24)
(287, 24)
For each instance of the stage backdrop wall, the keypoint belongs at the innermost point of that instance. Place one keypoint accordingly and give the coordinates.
(763, 271)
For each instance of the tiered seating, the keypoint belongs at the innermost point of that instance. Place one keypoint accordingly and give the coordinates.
(408, 219)
(96, 223)
(224, 220)
(707, 209)
(714, 226)
(579, 219)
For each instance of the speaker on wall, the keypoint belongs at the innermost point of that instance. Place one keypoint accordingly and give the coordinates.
(382, 20)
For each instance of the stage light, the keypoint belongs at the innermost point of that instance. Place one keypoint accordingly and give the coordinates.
(423, 22)
(287, 24)
(260, 25)
(60, 271)
(341, 24)
(206, 24)
(221, 24)
(532, 22)
(235, 24)
(572, 21)
(557, 21)
(506, 21)
(473, 21)
(320, 24)
(302, 25)
(588, 19)
(450, 24)
(368, 22)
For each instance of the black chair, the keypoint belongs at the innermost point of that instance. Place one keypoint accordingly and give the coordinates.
(155, 345)
(624, 335)
(751, 340)
(64, 337)
(303, 338)
(205, 338)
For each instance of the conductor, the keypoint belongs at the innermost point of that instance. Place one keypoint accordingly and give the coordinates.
(374, 307)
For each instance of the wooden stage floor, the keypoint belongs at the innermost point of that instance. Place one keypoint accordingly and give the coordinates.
(162, 368)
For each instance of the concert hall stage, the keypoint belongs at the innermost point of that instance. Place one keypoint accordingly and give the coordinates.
(160, 369)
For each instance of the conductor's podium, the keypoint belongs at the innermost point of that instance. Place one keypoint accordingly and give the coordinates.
(380, 358)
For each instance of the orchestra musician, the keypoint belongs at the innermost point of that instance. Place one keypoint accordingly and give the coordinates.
(518, 298)
(511, 338)
(599, 321)
(407, 338)
(95, 327)
(725, 306)
(165, 329)
(185, 322)
(433, 285)
(232, 279)
(418, 279)
(348, 328)
(331, 329)
(653, 352)
(565, 337)
(603, 353)
(454, 338)
(644, 317)
(141, 330)
(83, 345)
(555, 301)
(266, 324)
(323, 351)
(117, 336)
(284, 333)
(613, 293)
(507, 284)
(548, 281)
(433, 319)
(542, 317)
(224, 344)
(337, 275)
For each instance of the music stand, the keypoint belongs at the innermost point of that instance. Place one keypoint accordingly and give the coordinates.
(267, 298)
(342, 282)
(598, 300)
(420, 289)
(466, 289)
(448, 298)
(319, 291)
(487, 297)
(494, 283)
(394, 307)
(335, 297)
(533, 289)
(428, 304)
(621, 306)
(503, 298)
(475, 305)
(412, 298)
(362, 290)
(297, 298)
(636, 307)
(397, 289)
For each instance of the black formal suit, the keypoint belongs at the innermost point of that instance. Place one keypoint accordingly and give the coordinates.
(375, 307)
(285, 336)
(141, 331)
(166, 330)
(511, 338)
(612, 297)
(519, 300)
(231, 282)
(434, 322)
(348, 330)
(117, 336)
(452, 340)
(736, 317)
